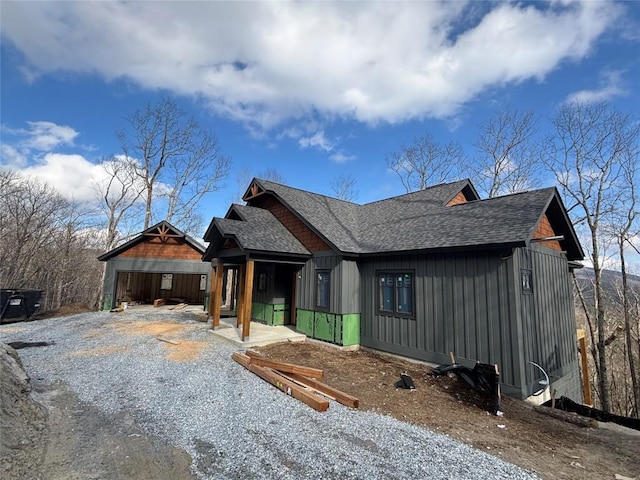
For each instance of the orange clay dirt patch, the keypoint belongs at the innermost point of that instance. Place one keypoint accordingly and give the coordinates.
(184, 351)
(155, 328)
(166, 331)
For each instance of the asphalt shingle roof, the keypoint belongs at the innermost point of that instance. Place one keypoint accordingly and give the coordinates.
(338, 221)
(259, 230)
(415, 221)
(428, 224)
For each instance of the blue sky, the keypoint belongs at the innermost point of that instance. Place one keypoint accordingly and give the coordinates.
(312, 90)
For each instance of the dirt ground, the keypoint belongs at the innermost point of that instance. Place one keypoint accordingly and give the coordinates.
(76, 441)
(82, 443)
(552, 448)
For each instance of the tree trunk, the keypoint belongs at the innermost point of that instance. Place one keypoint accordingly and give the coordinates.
(147, 214)
(603, 387)
(627, 327)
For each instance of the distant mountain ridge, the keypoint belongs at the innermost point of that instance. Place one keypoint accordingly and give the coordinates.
(611, 281)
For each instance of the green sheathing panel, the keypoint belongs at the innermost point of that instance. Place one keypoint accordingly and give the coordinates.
(270, 314)
(280, 315)
(258, 311)
(305, 322)
(325, 326)
(107, 303)
(349, 332)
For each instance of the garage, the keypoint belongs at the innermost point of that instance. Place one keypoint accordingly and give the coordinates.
(159, 263)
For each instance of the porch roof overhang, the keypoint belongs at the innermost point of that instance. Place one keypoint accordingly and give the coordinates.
(261, 237)
(239, 256)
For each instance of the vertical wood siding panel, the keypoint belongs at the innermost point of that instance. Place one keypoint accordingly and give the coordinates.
(482, 328)
(420, 298)
(506, 346)
(471, 350)
(458, 307)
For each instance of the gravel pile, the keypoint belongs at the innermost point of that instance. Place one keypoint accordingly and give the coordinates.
(233, 424)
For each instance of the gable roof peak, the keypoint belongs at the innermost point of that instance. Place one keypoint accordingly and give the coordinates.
(431, 188)
(268, 183)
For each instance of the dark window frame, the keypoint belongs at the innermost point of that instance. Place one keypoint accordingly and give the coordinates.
(395, 311)
(262, 282)
(326, 285)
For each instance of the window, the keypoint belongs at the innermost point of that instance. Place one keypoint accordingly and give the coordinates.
(322, 289)
(167, 281)
(395, 293)
(527, 285)
(262, 282)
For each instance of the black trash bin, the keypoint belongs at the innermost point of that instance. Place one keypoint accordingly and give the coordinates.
(17, 305)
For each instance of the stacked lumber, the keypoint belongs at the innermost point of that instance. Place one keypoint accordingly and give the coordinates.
(295, 380)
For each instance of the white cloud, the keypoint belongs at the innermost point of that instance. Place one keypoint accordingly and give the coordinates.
(266, 62)
(317, 140)
(11, 157)
(19, 144)
(46, 136)
(72, 175)
(610, 87)
(340, 157)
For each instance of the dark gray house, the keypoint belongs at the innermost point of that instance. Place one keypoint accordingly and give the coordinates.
(419, 275)
(159, 263)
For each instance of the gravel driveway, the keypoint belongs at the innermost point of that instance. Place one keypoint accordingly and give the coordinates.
(233, 424)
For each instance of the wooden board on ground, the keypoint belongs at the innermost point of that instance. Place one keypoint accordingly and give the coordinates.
(287, 386)
(327, 390)
(295, 380)
(257, 359)
(167, 340)
(179, 306)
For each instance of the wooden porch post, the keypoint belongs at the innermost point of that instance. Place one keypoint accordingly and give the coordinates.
(240, 303)
(212, 291)
(292, 308)
(586, 386)
(248, 294)
(216, 295)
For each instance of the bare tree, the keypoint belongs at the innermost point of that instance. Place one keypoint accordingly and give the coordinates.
(45, 243)
(175, 158)
(507, 160)
(31, 213)
(118, 193)
(586, 157)
(624, 227)
(344, 187)
(426, 162)
(244, 176)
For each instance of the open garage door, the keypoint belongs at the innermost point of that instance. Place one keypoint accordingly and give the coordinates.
(147, 287)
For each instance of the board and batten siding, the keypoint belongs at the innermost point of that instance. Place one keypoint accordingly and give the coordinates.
(463, 304)
(548, 322)
(344, 284)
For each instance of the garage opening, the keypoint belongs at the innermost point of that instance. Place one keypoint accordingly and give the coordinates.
(146, 287)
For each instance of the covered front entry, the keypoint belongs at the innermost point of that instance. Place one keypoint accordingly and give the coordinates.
(268, 257)
(265, 292)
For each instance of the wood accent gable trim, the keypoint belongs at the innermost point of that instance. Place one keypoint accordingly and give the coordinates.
(458, 199)
(291, 222)
(253, 191)
(545, 230)
(154, 247)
